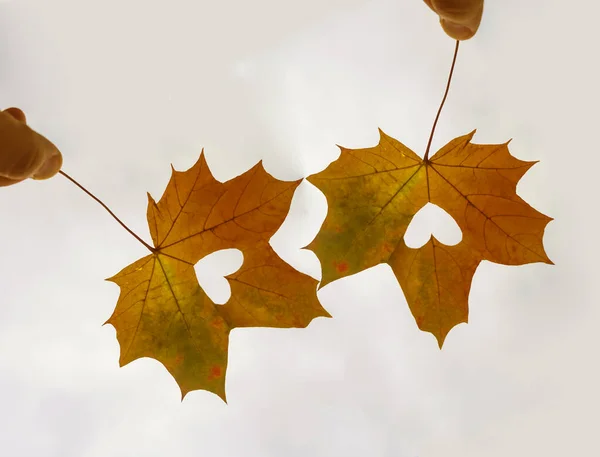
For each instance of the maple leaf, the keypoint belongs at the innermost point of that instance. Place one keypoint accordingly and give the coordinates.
(373, 193)
(163, 313)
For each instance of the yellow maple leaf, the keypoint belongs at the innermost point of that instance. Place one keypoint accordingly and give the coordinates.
(373, 193)
(162, 311)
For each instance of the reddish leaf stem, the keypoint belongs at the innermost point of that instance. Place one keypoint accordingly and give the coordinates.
(109, 211)
(426, 158)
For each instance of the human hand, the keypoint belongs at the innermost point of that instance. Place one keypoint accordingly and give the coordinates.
(459, 18)
(24, 153)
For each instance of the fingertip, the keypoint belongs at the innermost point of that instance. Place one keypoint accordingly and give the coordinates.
(457, 31)
(17, 113)
(50, 167)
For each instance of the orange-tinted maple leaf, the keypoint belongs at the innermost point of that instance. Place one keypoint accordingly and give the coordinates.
(373, 193)
(162, 311)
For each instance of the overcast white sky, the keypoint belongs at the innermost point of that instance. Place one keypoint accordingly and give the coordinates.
(125, 88)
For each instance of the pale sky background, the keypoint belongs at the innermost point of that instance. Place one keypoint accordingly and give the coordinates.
(125, 88)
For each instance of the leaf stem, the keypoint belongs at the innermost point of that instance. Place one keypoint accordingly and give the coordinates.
(109, 211)
(426, 158)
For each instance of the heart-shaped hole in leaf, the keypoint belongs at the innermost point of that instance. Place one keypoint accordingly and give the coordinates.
(212, 269)
(432, 220)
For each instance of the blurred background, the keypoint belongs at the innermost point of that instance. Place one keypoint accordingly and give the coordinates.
(125, 88)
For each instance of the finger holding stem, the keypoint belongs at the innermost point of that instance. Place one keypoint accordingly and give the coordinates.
(460, 19)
